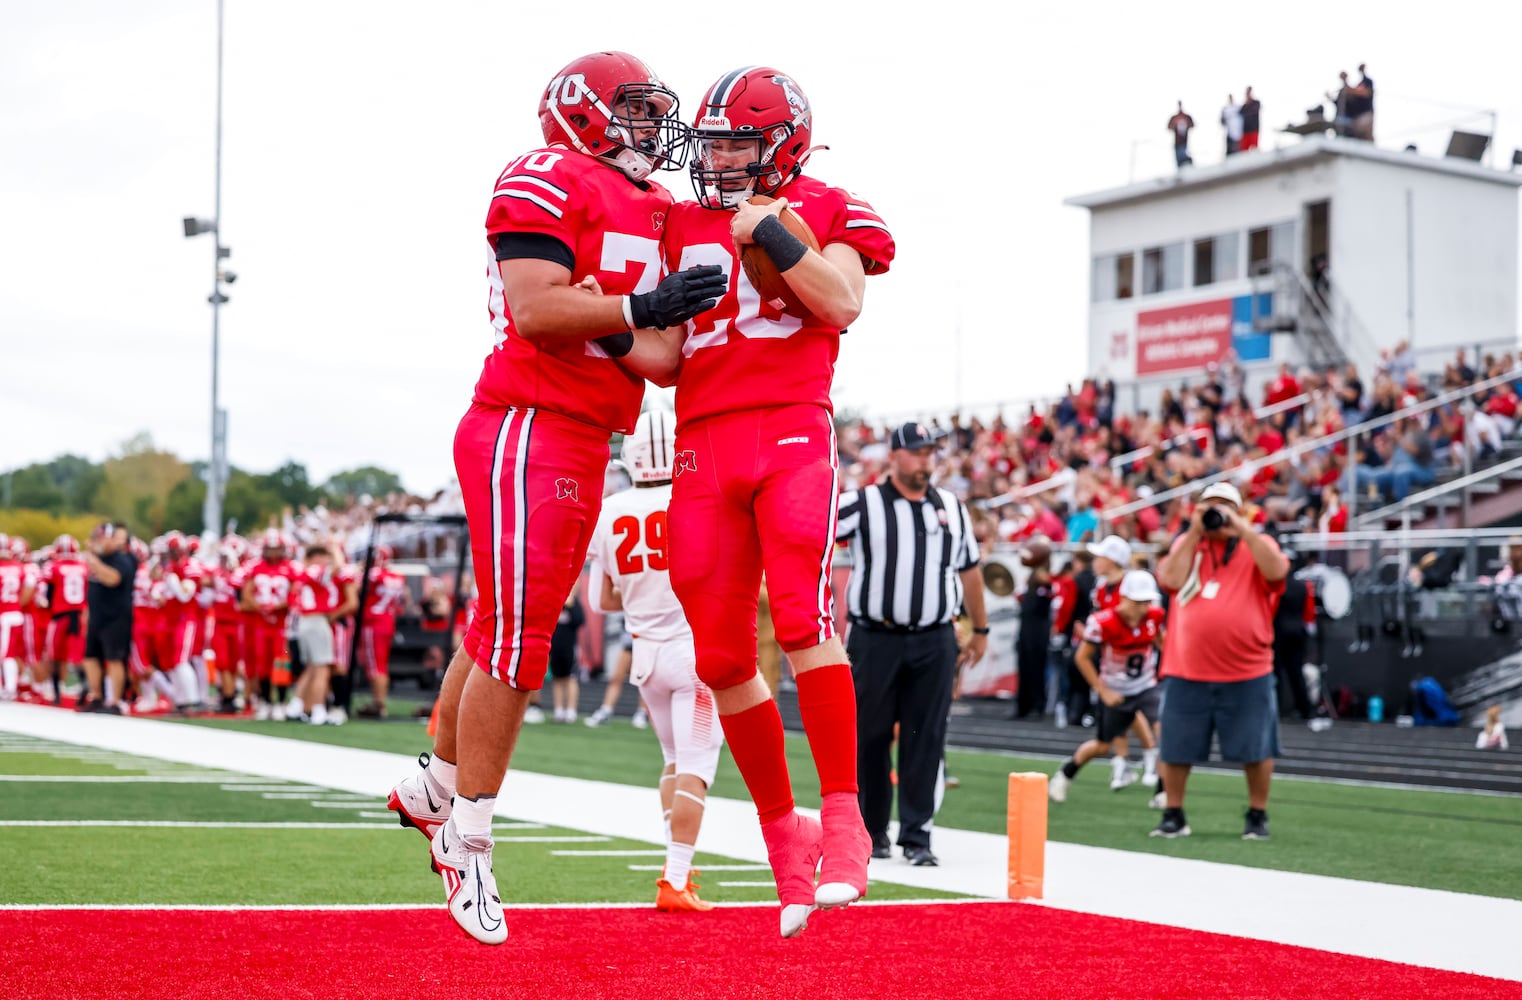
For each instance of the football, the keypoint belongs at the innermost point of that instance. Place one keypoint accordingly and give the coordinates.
(1036, 551)
(763, 274)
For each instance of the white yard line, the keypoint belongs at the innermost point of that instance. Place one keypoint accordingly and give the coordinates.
(193, 825)
(1447, 930)
(112, 779)
(705, 869)
(608, 854)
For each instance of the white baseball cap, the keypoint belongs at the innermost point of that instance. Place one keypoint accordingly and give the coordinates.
(1113, 548)
(1138, 585)
(1223, 491)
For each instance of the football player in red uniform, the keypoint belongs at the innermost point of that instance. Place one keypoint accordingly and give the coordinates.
(756, 466)
(266, 595)
(1119, 659)
(68, 586)
(225, 645)
(181, 580)
(384, 597)
(574, 230)
(18, 581)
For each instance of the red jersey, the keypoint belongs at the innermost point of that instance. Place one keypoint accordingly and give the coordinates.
(745, 354)
(316, 591)
(68, 584)
(226, 585)
(1127, 654)
(384, 597)
(271, 586)
(1105, 597)
(181, 581)
(15, 578)
(612, 227)
(145, 606)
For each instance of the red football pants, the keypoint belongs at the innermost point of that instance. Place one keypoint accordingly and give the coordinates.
(375, 648)
(754, 491)
(532, 484)
(266, 644)
(227, 643)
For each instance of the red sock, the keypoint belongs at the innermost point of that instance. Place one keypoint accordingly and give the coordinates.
(756, 743)
(827, 702)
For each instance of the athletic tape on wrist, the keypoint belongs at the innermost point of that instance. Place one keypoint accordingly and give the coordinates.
(781, 246)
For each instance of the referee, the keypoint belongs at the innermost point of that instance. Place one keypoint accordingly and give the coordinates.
(915, 559)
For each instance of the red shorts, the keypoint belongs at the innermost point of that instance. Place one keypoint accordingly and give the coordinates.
(343, 640)
(13, 625)
(177, 642)
(755, 490)
(266, 644)
(375, 648)
(532, 484)
(1249, 141)
(66, 638)
(227, 643)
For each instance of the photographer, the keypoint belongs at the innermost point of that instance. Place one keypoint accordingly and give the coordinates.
(1226, 578)
(109, 632)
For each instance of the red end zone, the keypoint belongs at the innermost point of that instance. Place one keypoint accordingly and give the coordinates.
(952, 950)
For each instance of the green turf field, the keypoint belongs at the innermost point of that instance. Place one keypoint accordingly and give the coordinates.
(1438, 840)
(292, 844)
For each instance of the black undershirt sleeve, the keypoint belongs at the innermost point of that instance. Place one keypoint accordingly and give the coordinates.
(537, 246)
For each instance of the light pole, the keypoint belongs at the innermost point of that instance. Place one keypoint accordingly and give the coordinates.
(216, 466)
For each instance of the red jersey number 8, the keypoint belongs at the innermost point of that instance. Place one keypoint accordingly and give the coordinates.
(630, 562)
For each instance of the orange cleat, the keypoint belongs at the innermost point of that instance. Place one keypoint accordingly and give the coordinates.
(685, 900)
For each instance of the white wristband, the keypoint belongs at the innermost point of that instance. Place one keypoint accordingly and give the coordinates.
(628, 313)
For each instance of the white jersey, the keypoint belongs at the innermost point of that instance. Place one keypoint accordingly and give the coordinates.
(630, 547)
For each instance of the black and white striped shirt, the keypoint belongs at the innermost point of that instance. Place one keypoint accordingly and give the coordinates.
(906, 555)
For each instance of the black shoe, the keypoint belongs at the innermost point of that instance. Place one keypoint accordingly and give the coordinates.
(881, 851)
(227, 706)
(920, 857)
(84, 703)
(1257, 825)
(108, 709)
(1173, 824)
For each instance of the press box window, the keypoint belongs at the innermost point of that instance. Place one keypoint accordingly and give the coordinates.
(1113, 278)
(1162, 268)
(1217, 258)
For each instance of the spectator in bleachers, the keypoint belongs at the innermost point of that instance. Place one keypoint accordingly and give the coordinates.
(1251, 112)
(1231, 123)
(1180, 125)
(1409, 463)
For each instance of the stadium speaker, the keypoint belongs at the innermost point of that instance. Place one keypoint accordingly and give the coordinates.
(1467, 145)
(1516, 158)
(998, 579)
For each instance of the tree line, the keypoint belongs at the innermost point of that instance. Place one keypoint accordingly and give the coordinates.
(153, 491)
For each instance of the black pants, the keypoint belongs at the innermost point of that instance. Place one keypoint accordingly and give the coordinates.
(1289, 658)
(1030, 657)
(905, 679)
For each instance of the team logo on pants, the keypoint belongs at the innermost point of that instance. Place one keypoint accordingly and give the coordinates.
(686, 461)
(565, 489)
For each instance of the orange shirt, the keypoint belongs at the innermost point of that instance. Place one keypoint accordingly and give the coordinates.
(1221, 622)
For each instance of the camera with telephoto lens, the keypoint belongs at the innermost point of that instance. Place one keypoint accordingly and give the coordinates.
(1213, 519)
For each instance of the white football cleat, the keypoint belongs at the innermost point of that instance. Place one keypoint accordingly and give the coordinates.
(337, 717)
(319, 716)
(1057, 787)
(418, 802)
(469, 885)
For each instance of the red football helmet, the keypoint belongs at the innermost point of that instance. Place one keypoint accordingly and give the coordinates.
(65, 545)
(759, 105)
(139, 549)
(273, 540)
(19, 549)
(612, 105)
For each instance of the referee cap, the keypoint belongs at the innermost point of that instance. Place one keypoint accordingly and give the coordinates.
(1138, 585)
(913, 436)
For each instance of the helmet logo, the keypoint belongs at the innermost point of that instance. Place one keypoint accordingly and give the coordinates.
(720, 122)
(657, 220)
(569, 90)
(795, 99)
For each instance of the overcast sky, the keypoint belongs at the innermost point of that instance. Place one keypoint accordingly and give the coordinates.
(361, 141)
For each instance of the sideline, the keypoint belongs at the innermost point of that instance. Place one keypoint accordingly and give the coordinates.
(1428, 927)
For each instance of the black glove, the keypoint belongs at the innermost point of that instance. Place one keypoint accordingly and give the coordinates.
(678, 297)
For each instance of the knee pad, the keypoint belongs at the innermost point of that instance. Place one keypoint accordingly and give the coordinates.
(720, 671)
